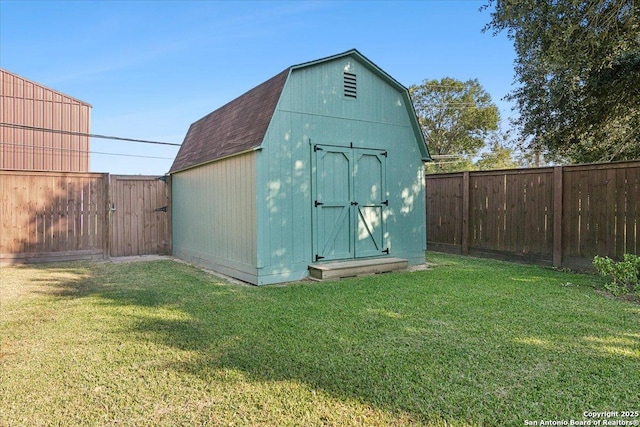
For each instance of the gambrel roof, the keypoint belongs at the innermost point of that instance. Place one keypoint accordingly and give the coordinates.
(241, 124)
(233, 128)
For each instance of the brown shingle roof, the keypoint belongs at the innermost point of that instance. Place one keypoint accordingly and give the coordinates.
(241, 124)
(237, 126)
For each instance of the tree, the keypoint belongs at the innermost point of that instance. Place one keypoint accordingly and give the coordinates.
(500, 156)
(577, 69)
(456, 117)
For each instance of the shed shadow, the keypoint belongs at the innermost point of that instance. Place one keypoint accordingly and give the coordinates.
(358, 339)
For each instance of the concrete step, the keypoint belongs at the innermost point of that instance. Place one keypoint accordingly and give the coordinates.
(341, 269)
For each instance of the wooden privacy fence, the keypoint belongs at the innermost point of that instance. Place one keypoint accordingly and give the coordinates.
(50, 216)
(561, 215)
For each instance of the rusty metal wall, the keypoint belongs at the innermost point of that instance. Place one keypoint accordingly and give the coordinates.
(26, 103)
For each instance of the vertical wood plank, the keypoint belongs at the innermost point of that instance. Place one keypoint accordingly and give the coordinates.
(127, 221)
(49, 228)
(138, 216)
(124, 218)
(4, 214)
(86, 236)
(81, 192)
(557, 215)
(151, 242)
(41, 205)
(587, 225)
(517, 210)
(632, 241)
(609, 213)
(71, 217)
(574, 207)
(112, 216)
(59, 188)
(465, 213)
(91, 223)
(31, 226)
(104, 221)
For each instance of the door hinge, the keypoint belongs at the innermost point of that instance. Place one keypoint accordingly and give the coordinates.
(318, 257)
(354, 203)
(317, 203)
(384, 153)
(316, 148)
(162, 209)
(386, 202)
(386, 251)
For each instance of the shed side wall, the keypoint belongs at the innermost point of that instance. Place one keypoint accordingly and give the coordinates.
(214, 216)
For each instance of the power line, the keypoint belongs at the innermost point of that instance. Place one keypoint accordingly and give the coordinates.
(446, 156)
(461, 105)
(447, 162)
(91, 135)
(27, 146)
(439, 86)
(455, 105)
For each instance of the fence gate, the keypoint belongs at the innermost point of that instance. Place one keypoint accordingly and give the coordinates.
(140, 219)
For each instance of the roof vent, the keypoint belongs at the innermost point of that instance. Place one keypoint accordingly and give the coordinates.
(350, 90)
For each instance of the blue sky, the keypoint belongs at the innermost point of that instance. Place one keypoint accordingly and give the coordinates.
(151, 68)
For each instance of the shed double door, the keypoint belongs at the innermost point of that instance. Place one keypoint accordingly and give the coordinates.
(348, 202)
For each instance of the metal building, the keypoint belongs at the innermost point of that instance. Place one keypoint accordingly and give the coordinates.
(39, 127)
(322, 162)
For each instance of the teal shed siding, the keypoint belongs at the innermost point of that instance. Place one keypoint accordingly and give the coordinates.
(214, 216)
(265, 214)
(313, 110)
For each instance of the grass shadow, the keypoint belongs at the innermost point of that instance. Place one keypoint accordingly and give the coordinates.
(486, 343)
(407, 345)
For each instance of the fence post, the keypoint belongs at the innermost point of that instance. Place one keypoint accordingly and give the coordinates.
(557, 216)
(465, 213)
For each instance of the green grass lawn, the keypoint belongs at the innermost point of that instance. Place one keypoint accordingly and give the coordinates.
(469, 342)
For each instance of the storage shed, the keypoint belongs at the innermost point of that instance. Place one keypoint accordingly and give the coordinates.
(322, 162)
